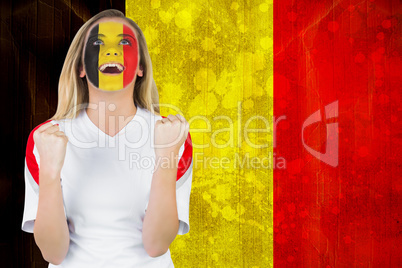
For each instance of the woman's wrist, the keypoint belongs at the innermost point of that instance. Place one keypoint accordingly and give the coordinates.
(166, 160)
(49, 173)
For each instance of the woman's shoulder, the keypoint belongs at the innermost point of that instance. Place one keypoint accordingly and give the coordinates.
(50, 120)
(61, 122)
(64, 121)
(148, 114)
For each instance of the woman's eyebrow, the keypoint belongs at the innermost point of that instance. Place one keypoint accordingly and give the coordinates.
(125, 35)
(102, 35)
(96, 35)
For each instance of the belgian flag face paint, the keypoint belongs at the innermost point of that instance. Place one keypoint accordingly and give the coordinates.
(111, 56)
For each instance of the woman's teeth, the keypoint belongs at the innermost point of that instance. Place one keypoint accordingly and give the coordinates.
(111, 65)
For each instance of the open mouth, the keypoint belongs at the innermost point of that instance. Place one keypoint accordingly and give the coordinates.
(111, 68)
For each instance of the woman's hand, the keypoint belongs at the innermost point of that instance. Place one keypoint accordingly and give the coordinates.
(170, 134)
(51, 144)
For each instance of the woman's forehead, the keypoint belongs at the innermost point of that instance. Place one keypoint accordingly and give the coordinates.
(111, 22)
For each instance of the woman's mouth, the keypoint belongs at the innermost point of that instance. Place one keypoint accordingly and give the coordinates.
(111, 68)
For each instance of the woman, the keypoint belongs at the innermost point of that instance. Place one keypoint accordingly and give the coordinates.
(115, 176)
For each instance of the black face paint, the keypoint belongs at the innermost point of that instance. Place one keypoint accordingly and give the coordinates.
(91, 57)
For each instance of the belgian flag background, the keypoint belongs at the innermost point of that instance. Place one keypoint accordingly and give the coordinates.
(324, 74)
(294, 112)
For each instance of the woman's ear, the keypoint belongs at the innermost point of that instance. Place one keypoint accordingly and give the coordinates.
(82, 72)
(140, 71)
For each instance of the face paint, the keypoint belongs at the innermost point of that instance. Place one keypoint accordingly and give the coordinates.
(111, 56)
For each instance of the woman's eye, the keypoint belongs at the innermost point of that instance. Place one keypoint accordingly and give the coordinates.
(98, 42)
(125, 42)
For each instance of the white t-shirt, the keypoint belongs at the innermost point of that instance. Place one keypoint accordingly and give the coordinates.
(106, 183)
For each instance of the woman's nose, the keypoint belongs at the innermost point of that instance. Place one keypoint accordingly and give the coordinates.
(112, 52)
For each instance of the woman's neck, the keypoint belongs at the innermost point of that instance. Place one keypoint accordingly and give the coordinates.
(111, 111)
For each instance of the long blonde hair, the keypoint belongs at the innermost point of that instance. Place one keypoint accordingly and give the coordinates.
(73, 90)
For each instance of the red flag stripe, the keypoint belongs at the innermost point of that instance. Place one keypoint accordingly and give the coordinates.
(346, 215)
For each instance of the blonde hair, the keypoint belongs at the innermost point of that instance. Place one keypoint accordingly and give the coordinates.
(73, 90)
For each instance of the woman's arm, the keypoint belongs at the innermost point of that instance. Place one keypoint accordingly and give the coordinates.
(161, 222)
(50, 229)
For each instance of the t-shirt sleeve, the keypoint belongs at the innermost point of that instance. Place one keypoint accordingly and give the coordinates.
(183, 185)
(31, 176)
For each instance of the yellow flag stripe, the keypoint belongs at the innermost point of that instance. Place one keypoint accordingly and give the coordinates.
(110, 30)
(213, 63)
